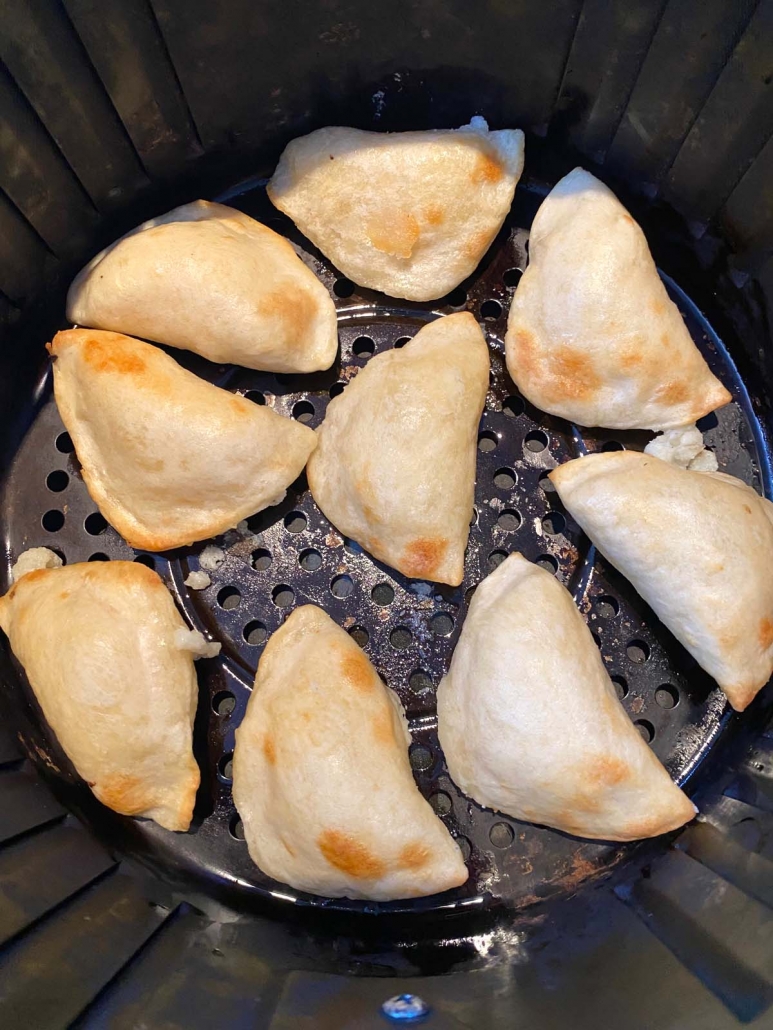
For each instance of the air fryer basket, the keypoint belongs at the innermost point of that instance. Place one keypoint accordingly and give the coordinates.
(117, 111)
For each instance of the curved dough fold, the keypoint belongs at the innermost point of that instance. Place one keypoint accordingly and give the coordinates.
(407, 213)
(98, 643)
(168, 458)
(697, 546)
(395, 465)
(210, 279)
(592, 334)
(530, 724)
(322, 779)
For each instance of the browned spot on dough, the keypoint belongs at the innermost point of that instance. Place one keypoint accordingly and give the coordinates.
(422, 558)
(64, 594)
(657, 307)
(606, 771)
(287, 847)
(269, 750)
(486, 169)
(113, 357)
(665, 339)
(627, 218)
(383, 728)
(294, 310)
(477, 244)
(413, 856)
(350, 855)
(123, 793)
(573, 374)
(357, 670)
(434, 214)
(675, 392)
(631, 360)
(241, 406)
(766, 633)
(393, 232)
(747, 509)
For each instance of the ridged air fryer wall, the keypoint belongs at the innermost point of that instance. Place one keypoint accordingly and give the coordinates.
(113, 110)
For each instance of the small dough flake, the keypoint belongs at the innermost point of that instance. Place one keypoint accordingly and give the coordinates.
(684, 448)
(197, 580)
(193, 641)
(211, 558)
(35, 558)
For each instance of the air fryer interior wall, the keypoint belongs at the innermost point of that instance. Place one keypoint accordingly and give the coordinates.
(120, 111)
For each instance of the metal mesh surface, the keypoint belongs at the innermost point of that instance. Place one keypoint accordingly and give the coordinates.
(291, 555)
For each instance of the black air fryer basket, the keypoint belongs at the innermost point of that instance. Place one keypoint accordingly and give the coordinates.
(114, 111)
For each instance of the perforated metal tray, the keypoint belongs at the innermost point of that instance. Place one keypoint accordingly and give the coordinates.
(290, 555)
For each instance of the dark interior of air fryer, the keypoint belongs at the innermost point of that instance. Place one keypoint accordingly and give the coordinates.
(116, 112)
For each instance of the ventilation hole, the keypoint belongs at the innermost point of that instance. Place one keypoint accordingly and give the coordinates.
(310, 560)
(441, 803)
(465, 847)
(57, 481)
(496, 558)
(487, 441)
(513, 406)
(343, 287)
(548, 563)
(667, 696)
(303, 411)
(255, 396)
(94, 524)
(236, 829)
(536, 441)
(147, 560)
(282, 596)
(505, 479)
(229, 597)
(226, 766)
(421, 758)
(646, 729)
(363, 347)
(612, 445)
(553, 523)
(359, 635)
(512, 277)
(352, 546)
(456, 298)
(638, 651)
(99, 556)
(621, 685)
(546, 484)
(509, 520)
(401, 341)
(295, 522)
(64, 443)
(223, 703)
(255, 633)
(336, 389)
(342, 586)
(383, 594)
(420, 682)
(491, 309)
(501, 835)
(53, 520)
(442, 624)
(400, 638)
(261, 559)
(606, 607)
(707, 422)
